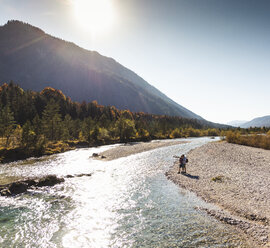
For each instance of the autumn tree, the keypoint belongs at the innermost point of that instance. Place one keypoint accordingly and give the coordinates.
(126, 129)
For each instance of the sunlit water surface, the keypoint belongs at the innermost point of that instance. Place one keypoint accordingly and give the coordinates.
(127, 202)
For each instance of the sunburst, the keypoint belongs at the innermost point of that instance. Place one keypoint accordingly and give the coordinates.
(96, 16)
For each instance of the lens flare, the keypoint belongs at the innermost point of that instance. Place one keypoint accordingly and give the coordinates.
(96, 16)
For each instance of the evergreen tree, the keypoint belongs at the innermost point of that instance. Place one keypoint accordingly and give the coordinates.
(67, 128)
(28, 135)
(7, 123)
(51, 121)
(94, 133)
(87, 125)
(37, 125)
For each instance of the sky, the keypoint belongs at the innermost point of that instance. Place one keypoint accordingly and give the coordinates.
(210, 56)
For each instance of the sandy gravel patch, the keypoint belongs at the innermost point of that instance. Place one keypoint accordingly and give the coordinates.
(136, 147)
(236, 178)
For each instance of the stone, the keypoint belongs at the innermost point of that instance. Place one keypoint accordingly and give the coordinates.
(18, 188)
(5, 192)
(50, 180)
(31, 182)
(69, 176)
(83, 175)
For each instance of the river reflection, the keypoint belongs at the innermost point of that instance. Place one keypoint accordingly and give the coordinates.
(127, 202)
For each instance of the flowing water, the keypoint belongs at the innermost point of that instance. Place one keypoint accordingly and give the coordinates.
(126, 202)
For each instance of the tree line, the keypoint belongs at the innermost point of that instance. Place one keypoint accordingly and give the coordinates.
(32, 120)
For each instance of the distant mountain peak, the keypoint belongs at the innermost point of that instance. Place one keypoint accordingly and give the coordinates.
(263, 121)
(236, 123)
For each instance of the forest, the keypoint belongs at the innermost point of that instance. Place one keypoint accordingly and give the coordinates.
(37, 123)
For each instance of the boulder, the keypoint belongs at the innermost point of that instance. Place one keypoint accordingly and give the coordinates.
(50, 180)
(19, 187)
(14, 189)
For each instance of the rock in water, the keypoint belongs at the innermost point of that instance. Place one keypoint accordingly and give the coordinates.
(50, 180)
(14, 189)
(5, 192)
(19, 187)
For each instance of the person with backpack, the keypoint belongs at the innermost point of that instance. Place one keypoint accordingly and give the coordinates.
(182, 164)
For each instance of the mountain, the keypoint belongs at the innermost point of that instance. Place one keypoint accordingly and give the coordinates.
(35, 60)
(258, 122)
(236, 123)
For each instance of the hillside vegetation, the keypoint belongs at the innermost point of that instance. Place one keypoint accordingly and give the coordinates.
(37, 123)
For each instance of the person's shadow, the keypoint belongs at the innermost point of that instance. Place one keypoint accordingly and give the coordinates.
(190, 176)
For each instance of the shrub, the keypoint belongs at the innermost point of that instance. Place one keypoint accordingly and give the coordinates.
(254, 140)
(218, 179)
(176, 133)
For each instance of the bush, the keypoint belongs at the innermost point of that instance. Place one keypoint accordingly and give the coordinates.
(254, 140)
(176, 133)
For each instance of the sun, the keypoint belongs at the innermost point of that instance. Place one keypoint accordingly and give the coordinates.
(96, 16)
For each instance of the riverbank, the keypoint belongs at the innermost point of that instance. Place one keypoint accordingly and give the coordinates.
(128, 149)
(125, 149)
(236, 178)
(8, 155)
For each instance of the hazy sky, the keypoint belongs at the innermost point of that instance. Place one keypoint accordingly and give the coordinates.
(210, 56)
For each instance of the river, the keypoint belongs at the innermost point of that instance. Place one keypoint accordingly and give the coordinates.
(127, 202)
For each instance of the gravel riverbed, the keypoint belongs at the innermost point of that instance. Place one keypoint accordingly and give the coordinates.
(136, 147)
(235, 178)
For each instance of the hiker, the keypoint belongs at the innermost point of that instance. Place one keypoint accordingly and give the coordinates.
(182, 164)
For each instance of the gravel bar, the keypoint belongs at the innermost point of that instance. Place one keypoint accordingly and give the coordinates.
(236, 179)
(128, 149)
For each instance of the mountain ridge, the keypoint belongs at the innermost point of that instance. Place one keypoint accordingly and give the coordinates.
(263, 121)
(36, 60)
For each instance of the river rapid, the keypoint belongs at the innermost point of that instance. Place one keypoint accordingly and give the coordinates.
(127, 202)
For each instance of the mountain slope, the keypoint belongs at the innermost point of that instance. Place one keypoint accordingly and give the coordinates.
(36, 60)
(236, 123)
(258, 122)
